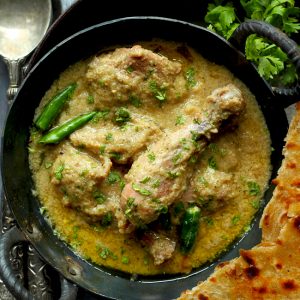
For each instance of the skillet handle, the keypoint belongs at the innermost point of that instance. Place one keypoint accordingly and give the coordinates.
(238, 39)
(9, 239)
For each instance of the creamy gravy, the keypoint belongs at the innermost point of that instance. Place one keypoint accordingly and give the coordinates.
(238, 160)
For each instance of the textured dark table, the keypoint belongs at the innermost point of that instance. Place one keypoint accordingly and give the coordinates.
(59, 7)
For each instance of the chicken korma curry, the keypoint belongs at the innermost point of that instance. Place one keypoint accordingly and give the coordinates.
(149, 159)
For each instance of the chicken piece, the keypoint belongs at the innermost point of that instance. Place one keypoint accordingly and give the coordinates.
(211, 189)
(77, 175)
(159, 176)
(160, 247)
(117, 76)
(121, 145)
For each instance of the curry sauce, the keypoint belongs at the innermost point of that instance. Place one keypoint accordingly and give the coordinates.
(227, 179)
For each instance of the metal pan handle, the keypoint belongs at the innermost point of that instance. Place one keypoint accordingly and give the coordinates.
(290, 47)
(8, 240)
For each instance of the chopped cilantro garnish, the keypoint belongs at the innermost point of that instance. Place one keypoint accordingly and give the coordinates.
(99, 197)
(109, 137)
(75, 241)
(58, 172)
(145, 179)
(125, 260)
(130, 201)
(163, 209)
(129, 206)
(213, 147)
(100, 115)
(130, 69)
(102, 149)
(255, 203)
(203, 181)
(122, 184)
(253, 188)
(195, 136)
(190, 77)
(160, 93)
(180, 120)
(176, 158)
(101, 83)
(105, 252)
(173, 174)
(151, 156)
(90, 99)
(115, 155)
(113, 177)
(141, 190)
(75, 232)
(235, 219)
(184, 143)
(107, 219)
(122, 116)
(212, 163)
(193, 159)
(156, 183)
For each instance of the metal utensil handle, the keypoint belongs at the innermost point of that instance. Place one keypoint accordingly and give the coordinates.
(280, 39)
(14, 67)
(10, 238)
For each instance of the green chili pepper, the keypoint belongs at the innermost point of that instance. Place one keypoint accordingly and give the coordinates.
(53, 108)
(56, 134)
(189, 228)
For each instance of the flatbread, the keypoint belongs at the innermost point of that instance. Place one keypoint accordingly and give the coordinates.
(270, 270)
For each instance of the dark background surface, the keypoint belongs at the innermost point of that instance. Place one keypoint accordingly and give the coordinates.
(88, 12)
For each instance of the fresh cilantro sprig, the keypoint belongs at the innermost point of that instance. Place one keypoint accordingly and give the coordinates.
(272, 63)
(222, 19)
(280, 13)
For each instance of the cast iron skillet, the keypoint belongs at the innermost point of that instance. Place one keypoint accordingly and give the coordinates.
(16, 175)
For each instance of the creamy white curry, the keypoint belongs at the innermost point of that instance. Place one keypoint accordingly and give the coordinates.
(169, 170)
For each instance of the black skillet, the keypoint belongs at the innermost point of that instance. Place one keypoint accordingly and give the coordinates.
(16, 175)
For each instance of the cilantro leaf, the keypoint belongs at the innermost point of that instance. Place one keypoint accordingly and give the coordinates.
(122, 116)
(160, 93)
(113, 177)
(141, 190)
(222, 19)
(269, 66)
(271, 62)
(286, 76)
(254, 9)
(268, 58)
(279, 13)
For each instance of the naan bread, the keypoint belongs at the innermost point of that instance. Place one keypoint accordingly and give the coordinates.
(270, 270)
